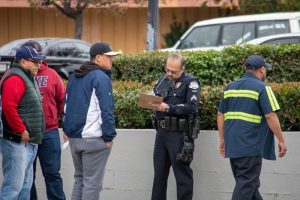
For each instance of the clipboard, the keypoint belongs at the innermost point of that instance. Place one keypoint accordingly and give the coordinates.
(146, 101)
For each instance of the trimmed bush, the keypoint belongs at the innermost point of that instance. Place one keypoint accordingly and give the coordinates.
(212, 67)
(128, 115)
(288, 96)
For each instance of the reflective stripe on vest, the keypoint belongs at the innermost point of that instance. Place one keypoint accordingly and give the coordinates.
(272, 99)
(241, 93)
(243, 116)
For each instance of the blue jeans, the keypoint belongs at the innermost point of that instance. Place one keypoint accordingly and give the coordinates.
(17, 162)
(49, 154)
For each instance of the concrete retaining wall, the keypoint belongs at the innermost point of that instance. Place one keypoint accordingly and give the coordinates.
(129, 172)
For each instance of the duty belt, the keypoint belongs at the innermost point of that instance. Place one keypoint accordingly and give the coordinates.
(171, 124)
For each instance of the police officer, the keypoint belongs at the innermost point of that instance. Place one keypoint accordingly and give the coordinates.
(247, 123)
(180, 92)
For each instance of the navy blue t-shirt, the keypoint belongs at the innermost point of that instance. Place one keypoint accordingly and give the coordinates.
(244, 104)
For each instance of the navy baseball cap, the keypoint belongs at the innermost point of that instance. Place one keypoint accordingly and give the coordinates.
(255, 62)
(102, 48)
(28, 52)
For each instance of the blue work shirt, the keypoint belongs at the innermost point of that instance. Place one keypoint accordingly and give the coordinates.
(245, 103)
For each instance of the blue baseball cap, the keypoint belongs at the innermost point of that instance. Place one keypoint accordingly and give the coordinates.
(255, 62)
(28, 52)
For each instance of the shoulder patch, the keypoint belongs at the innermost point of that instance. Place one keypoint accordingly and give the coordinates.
(194, 85)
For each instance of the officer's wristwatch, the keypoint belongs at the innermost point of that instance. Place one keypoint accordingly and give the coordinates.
(167, 109)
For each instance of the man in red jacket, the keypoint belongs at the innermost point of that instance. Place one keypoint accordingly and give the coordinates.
(23, 123)
(52, 90)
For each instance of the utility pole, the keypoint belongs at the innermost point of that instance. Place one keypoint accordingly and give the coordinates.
(152, 25)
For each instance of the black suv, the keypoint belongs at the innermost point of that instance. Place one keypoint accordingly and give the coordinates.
(62, 54)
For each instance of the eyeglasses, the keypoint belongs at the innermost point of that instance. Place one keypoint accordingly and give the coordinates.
(172, 72)
(33, 61)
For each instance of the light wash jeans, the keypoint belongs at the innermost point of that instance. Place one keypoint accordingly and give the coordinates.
(17, 162)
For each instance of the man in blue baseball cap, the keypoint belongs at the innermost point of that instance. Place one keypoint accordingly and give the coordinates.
(53, 91)
(256, 62)
(29, 54)
(247, 123)
(23, 123)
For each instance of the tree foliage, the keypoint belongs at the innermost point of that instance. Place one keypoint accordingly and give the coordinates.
(265, 6)
(177, 29)
(259, 6)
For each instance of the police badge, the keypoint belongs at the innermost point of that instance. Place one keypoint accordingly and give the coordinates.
(178, 84)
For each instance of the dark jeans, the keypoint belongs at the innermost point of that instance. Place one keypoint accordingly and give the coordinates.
(167, 145)
(49, 154)
(246, 172)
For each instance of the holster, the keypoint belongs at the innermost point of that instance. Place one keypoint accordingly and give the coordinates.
(187, 150)
(193, 127)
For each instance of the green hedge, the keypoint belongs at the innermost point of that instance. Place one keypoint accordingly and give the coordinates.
(212, 67)
(128, 115)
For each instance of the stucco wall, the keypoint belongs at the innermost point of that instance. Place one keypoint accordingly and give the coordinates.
(129, 172)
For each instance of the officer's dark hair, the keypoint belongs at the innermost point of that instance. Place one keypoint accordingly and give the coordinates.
(177, 56)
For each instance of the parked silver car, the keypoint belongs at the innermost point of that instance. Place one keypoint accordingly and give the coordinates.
(62, 54)
(288, 38)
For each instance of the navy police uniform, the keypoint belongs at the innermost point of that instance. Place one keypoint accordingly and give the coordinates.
(182, 96)
(247, 136)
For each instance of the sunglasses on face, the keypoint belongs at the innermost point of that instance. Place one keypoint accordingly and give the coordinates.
(34, 61)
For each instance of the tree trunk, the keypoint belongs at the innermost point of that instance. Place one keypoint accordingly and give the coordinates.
(78, 25)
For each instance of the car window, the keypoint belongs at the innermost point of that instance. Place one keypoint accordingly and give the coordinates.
(237, 33)
(82, 50)
(204, 36)
(65, 49)
(283, 41)
(45, 42)
(266, 28)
